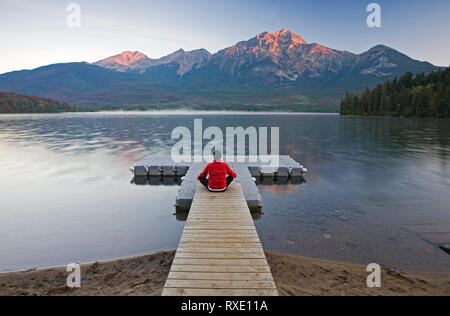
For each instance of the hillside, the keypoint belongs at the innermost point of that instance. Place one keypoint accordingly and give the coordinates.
(18, 103)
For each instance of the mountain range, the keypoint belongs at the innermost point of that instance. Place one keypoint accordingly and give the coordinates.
(275, 69)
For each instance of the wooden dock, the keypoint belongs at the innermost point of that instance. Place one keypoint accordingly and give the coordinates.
(220, 253)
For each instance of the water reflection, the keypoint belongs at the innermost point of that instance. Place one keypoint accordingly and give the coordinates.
(155, 181)
(66, 193)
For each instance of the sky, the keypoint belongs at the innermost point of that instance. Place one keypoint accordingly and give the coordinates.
(35, 33)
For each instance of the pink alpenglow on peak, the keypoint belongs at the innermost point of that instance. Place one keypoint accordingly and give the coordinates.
(282, 55)
(126, 58)
(123, 61)
(287, 35)
(136, 61)
(280, 39)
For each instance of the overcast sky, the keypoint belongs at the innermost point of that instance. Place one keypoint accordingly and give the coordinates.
(35, 33)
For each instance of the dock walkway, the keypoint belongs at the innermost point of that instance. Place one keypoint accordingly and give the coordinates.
(220, 253)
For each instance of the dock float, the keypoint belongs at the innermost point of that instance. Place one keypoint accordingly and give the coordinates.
(157, 167)
(220, 253)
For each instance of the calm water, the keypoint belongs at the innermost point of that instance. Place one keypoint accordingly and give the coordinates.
(66, 196)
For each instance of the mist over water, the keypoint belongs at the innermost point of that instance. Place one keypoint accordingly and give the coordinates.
(66, 196)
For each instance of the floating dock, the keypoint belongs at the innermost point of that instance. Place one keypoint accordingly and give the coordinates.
(220, 253)
(156, 167)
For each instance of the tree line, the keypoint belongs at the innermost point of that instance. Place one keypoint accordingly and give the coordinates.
(422, 95)
(19, 103)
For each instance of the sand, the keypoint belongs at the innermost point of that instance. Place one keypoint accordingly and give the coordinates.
(294, 276)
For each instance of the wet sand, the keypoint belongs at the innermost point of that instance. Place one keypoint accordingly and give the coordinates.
(294, 276)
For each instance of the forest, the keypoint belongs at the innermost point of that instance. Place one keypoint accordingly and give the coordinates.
(19, 103)
(422, 95)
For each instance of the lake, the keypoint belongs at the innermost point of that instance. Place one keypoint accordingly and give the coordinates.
(67, 193)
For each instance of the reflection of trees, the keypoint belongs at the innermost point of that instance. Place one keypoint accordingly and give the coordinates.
(396, 137)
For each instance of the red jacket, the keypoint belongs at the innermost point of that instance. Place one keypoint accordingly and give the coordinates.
(218, 172)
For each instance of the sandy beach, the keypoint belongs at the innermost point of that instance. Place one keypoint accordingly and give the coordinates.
(294, 276)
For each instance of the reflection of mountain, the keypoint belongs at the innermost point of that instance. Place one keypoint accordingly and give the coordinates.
(272, 69)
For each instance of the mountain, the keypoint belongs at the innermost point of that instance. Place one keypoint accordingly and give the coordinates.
(280, 57)
(383, 61)
(126, 61)
(379, 64)
(136, 61)
(285, 58)
(62, 81)
(270, 68)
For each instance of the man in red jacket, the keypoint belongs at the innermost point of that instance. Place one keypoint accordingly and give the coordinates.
(220, 175)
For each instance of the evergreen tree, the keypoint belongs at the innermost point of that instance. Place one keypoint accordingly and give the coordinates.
(18, 103)
(423, 95)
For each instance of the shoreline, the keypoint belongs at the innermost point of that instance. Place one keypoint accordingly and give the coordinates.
(293, 275)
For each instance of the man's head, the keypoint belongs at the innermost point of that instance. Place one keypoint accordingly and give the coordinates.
(217, 155)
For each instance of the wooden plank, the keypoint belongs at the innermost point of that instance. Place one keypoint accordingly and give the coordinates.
(221, 231)
(217, 268)
(214, 204)
(219, 216)
(220, 245)
(220, 255)
(216, 226)
(220, 276)
(236, 250)
(219, 292)
(219, 234)
(209, 196)
(239, 219)
(229, 223)
(229, 215)
(227, 238)
(235, 201)
(220, 221)
(217, 205)
(222, 262)
(219, 284)
(252, 236)
(217, 209)
(219, 239)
